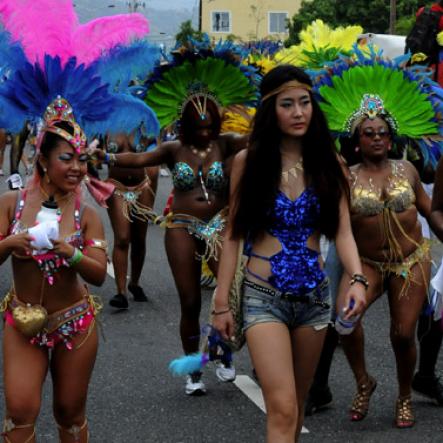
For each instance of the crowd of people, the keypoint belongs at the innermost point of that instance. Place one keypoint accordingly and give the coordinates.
(337, 154)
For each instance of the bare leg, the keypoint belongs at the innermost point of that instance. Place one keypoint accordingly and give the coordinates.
(138, 239)
(181, 249)
(17, 147)
(271, 350)
(307, 345)
(404, 317)
(353, 344)
(24, 370)
(71, 372)
(122, 236)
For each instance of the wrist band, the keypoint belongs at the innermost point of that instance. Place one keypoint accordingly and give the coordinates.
(110, 159)
(214, 312)
(76, 258)
(359, 278)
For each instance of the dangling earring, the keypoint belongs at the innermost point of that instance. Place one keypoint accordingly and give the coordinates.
(47, 179)
(357, 148)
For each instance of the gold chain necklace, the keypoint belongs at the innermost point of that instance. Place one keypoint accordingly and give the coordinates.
(293, 171)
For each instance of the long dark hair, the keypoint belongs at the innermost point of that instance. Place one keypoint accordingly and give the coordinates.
(190, 117)
(261, 178)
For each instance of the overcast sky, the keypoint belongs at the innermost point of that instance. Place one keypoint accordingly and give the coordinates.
(165, 16)
(102, 5)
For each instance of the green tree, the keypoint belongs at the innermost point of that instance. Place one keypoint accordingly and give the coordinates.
(372, 15)
(187, 31)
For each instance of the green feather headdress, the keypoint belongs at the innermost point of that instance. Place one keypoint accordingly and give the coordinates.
(366, 85)
(196, 80)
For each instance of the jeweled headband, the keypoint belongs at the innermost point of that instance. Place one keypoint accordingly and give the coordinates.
(293, 84)
(198, 95)
(371, 106)
(61, 111)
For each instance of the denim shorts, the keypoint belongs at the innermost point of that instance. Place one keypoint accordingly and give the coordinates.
(264, 305)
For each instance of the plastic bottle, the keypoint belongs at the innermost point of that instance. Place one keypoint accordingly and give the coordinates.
(345, 327)
(48, 211)
(47, 227)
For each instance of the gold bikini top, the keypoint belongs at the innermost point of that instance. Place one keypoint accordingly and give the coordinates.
(367, 199)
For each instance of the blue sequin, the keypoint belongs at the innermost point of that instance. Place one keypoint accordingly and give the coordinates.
(184, 179)
(295, 269)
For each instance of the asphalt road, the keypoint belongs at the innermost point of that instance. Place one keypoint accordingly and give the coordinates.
(133, 398)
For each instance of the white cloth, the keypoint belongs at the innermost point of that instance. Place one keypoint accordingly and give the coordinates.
(43, 233)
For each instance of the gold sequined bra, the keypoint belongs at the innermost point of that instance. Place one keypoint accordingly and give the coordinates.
(367, 199)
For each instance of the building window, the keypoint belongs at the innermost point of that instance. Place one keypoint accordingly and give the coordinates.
(221, 21)
(278, 22)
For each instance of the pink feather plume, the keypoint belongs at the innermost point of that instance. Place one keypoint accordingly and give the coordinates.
(52, 27)
(41, 26)
(100, 35)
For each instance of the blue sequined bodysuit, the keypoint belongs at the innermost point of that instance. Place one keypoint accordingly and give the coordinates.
(295, 269)
(184, 178)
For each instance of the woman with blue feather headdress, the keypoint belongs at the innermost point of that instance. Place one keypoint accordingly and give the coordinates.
(59, 73)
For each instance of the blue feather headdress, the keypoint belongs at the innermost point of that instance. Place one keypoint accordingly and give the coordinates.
(98, 94)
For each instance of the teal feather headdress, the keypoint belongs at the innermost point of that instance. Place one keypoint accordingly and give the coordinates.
(207, 73)
(366, 85)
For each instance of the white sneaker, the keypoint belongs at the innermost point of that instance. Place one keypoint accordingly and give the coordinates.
(225, 374)
(15, 181)
(194, 385)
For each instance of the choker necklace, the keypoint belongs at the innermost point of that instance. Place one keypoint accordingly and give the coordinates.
(202, 153)
(293, 171)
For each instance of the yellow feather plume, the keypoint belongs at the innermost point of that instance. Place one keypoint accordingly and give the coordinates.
(318, 37)
(239, 120)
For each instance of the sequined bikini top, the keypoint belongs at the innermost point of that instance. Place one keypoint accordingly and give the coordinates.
(184, 178)
(49, 263)
(367, 199)
(295, 268)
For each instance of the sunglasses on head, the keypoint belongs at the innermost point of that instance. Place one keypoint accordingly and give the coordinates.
(370, 133)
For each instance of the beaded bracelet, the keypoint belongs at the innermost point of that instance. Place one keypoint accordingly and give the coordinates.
(359, 278)
(76, 257)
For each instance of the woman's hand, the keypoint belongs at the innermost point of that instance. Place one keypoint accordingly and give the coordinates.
(96, 154)
(354, 301)
(223, 321)
(19, 242)
(63, 249)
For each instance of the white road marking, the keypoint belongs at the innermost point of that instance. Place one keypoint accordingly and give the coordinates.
(110, 270)
(253, 392)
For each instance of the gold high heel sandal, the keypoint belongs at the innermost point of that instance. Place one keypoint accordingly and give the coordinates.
(360, 405)
(404, 416)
